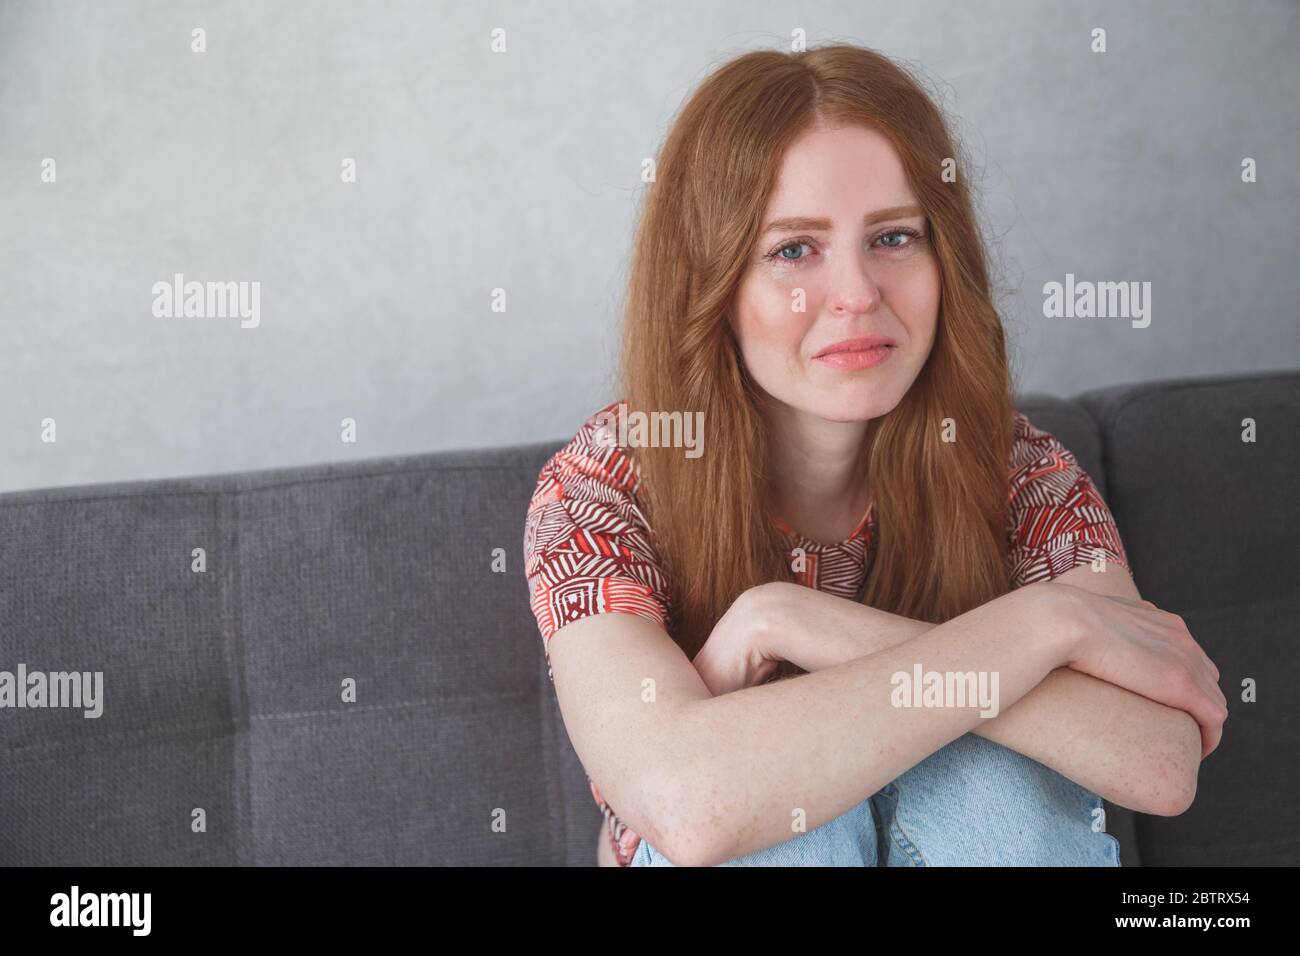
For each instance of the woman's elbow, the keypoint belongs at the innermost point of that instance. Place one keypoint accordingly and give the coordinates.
(680, 827)
(1173, 778)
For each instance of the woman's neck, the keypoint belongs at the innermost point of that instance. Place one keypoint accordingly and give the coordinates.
(819, 475)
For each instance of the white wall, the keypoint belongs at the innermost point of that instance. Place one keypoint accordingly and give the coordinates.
(521, 170)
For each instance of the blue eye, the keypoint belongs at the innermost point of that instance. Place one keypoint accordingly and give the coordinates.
(905, 232)
(899, 232)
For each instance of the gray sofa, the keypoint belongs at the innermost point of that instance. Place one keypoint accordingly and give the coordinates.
(223, 689)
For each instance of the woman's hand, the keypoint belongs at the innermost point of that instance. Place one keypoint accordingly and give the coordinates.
(784, 623)
(736, 655)
(1137, 646)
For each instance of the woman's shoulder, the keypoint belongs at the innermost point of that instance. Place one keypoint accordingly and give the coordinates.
(588, 547)
(594, 452)
(1036, 452)
(1059, 519)
(592, 475)
(1027, 439)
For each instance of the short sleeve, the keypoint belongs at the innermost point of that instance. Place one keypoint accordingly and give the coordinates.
(587, 546)
(1058, 518)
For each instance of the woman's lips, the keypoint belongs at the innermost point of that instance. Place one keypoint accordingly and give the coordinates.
(864, 358)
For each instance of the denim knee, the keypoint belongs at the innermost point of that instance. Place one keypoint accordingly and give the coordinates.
(977, 803)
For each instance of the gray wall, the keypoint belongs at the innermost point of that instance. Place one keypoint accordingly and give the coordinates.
(521, 171)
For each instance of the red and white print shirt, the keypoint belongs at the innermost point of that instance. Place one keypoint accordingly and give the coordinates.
(588, 548)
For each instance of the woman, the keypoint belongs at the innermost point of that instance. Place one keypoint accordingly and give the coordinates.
(863, 506)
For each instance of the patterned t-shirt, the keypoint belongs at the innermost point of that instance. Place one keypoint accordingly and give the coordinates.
(588, 548)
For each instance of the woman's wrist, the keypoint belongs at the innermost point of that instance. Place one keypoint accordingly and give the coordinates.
(814, 630)
(1050, 610)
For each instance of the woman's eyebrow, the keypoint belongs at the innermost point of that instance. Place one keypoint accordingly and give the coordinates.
(795, 223)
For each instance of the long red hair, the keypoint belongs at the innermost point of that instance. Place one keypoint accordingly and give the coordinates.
(940, 507)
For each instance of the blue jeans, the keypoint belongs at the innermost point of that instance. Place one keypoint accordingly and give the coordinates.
(970, 803)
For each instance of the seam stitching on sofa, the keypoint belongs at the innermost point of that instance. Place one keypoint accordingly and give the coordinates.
(274, 486)
(176, 732)
(401, 705)
(228, 510)
(235, 725)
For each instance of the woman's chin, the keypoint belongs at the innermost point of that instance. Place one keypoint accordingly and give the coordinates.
(853, 411)
(857, 403)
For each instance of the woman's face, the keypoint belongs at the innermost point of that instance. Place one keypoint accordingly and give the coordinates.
(864, 268)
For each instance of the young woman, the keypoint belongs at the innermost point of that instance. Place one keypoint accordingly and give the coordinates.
(862, 505)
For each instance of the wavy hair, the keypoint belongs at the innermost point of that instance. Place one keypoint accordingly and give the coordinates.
(941, 509)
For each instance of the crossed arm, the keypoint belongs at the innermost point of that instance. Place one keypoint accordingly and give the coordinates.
(1128, 749)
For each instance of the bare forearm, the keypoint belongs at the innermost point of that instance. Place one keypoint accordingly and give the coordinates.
(1132, 751)
(820, 630)
(822, 743)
